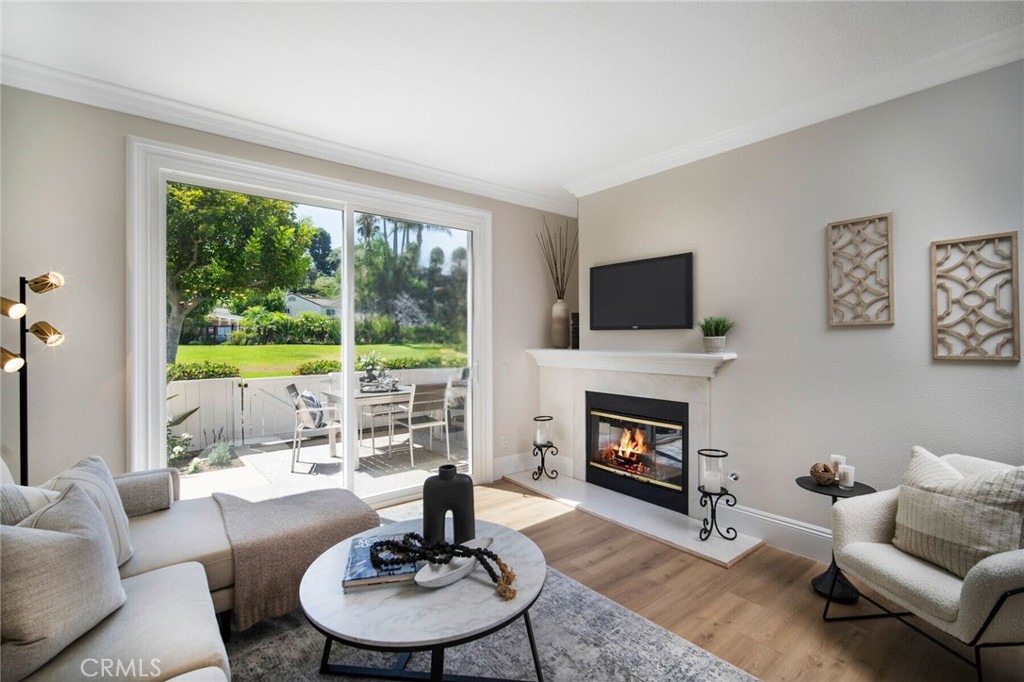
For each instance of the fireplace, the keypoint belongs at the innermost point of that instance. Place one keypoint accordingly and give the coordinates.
(638, 447)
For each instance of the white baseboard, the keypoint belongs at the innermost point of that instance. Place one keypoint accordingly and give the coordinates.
(785, 533)
(791, 535)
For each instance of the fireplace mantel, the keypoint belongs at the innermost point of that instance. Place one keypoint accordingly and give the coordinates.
(643, 362)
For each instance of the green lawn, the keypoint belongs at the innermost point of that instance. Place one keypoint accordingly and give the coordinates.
(281, 360)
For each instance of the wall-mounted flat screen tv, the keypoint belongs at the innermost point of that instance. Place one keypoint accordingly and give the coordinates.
(654, 293)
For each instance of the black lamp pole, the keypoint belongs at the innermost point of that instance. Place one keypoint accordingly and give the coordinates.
(23, 393)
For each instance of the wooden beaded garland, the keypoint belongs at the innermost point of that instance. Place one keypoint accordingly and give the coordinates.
(411, 549)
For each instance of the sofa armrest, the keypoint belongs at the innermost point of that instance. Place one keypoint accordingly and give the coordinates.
(985, 583)
(143, 492)
(867, 518)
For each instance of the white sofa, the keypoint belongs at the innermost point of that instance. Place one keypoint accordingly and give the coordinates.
(179, 578)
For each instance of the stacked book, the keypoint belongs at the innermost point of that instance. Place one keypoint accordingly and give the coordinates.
(360, 573)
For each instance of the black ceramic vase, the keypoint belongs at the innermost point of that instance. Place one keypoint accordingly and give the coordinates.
(448, 491)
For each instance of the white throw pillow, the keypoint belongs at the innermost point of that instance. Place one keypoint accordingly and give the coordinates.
(18, 502)
(59, 581)
(955, 521)
(94, 477)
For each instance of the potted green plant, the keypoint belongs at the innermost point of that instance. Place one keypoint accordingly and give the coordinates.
(714, 328)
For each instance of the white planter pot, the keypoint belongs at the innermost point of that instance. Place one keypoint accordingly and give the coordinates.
(714, 344)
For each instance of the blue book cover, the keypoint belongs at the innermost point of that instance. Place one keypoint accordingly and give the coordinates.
(360, 571)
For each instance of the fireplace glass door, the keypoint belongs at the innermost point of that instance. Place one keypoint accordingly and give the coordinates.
(647, 450)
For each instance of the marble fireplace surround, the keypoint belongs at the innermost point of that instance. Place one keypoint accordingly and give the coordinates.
(565, 376)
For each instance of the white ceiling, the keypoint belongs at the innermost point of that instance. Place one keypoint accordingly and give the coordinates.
(526, 102)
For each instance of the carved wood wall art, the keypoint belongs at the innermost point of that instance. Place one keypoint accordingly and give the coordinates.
(975, 295)
(859, 254)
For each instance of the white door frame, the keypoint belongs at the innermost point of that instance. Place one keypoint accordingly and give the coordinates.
(152, 164)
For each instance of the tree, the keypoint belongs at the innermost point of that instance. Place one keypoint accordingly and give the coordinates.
(320, 251)
(220, 244)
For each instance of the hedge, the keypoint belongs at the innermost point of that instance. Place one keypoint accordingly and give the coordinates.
(185, 371)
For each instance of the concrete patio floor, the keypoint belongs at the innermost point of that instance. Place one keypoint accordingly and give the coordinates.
(380, 471)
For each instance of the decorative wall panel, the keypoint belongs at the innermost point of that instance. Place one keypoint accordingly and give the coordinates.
(975, 294)
(859, 255)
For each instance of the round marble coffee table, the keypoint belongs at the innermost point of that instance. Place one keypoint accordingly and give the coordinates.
(406, 617)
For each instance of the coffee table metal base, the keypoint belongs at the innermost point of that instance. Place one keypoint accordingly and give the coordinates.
(436, 674)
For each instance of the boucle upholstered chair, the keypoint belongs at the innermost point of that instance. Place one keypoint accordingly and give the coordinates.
(984, 609)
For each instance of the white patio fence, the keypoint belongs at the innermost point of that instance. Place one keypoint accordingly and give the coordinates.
(250, 411)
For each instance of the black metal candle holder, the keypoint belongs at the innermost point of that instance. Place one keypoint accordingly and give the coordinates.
(543, 450)
(713, 499)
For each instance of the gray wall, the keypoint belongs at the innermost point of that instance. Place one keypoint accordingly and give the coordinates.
(947, 162)
(63, 208)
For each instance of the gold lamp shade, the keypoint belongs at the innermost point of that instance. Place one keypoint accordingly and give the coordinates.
(12, 309)
(9, 361)
(46, 282)
(47, 333)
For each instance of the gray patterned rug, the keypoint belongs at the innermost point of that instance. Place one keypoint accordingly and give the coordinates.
(581, 636)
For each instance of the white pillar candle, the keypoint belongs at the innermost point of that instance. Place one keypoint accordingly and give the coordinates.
(712, 481)
(846, 476)
(834, 461)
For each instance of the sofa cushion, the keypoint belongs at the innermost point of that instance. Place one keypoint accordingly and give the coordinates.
(18, 502)
(921, 586)
(955, 521)
(59, 580)
(191, 530)
(166, 628)
(93, 475)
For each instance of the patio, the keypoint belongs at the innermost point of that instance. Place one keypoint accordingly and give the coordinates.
(268, 462)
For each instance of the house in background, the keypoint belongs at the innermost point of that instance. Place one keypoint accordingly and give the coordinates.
(295, 304)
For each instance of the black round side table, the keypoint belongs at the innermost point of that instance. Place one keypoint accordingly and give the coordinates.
(845, 592)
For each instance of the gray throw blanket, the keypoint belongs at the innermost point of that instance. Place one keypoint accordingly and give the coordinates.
(275, 540)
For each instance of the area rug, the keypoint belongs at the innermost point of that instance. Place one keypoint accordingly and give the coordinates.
(581, 636)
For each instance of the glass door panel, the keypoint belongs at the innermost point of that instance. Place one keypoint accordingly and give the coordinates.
(412, 351)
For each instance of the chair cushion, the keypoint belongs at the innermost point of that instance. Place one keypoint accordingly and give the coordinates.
(312, 402)
(955, 521)
(915, 583)
(94, 477)
(18, 502)
(59, 580)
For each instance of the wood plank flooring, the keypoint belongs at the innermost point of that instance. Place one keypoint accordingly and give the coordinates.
(761, 615)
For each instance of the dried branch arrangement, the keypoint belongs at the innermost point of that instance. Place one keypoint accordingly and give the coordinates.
(559, 253)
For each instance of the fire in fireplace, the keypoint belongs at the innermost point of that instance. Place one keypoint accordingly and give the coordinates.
(638, 446)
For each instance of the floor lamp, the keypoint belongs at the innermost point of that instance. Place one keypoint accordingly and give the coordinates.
(44, 331)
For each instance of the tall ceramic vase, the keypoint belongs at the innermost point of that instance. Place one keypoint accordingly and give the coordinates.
(560, 324)
(448, 491)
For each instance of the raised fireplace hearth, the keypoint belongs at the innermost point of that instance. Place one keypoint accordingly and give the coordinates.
(639, 447)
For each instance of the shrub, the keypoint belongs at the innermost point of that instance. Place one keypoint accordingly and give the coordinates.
(376, 329)
(184, 371)
(318, 367)
(220, 454)
(260, 327)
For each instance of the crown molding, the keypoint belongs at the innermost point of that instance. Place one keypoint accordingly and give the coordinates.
(980, 55)
(19, 73)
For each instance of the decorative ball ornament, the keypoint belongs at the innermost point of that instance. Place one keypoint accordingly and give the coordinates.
(822, 474)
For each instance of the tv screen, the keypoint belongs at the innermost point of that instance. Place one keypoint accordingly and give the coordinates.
(654, 293)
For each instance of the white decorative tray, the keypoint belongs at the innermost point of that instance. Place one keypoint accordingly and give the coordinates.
(439, 575)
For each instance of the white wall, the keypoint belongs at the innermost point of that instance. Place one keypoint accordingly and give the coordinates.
(63, 208)
(947, 162)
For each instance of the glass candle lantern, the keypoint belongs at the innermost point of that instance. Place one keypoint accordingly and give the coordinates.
(542, 424)
(712, 470)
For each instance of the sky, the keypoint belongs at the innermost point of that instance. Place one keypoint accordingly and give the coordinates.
(331, 220)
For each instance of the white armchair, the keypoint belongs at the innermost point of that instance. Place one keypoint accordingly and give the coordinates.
(985, 609)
